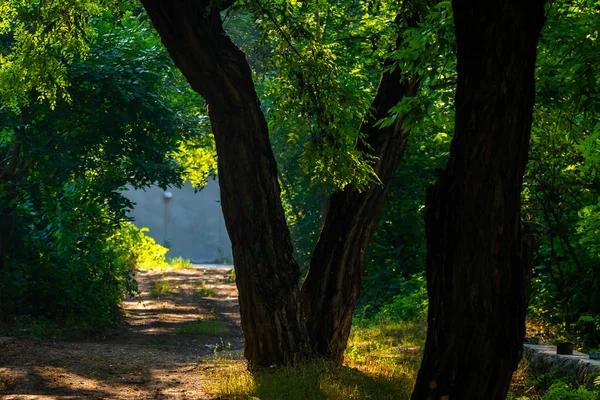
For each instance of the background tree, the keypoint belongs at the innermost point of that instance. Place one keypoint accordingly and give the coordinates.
(331, 289)
(266, 274)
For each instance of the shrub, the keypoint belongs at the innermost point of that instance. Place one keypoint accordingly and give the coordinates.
(72, 268)
(588, 329)
(204, 290)
(140, 251)
(160, 288)
(410, 304)
(561, 391)
(75, 262)
(179, 263)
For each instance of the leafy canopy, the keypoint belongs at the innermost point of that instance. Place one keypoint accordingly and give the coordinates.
(38, 39)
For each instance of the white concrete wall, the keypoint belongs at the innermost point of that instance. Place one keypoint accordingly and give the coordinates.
(191, 222)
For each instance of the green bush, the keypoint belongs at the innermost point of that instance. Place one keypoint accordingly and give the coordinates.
(76, 262)
(160, 288)
(140, 251)
(561, 391)
(544, 381)
(410, 304)
(72, 267)
(588, 329)
(179, 263)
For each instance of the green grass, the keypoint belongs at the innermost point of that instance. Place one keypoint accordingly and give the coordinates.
(42, 328)
(204, 290)
(168, 264)
(312, 380)
(203, 327)
(160, 288)
(179, 263)
(230, 276)
(156, 344)
(381, 363)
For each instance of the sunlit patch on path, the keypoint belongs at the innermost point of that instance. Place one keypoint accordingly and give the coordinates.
(163, 350)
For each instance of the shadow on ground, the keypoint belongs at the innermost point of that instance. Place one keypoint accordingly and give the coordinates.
(316, 380)
(157, 353)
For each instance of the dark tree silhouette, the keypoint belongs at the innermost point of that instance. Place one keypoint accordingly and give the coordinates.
(477, 261)
(267, 276)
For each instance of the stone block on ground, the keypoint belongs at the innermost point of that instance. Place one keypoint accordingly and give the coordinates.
(543, 359)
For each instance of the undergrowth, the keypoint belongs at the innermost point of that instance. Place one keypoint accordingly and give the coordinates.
(160, 288)
(526, 385)
(179, 263)
(204, 290)
(203, 327)
(381, 363)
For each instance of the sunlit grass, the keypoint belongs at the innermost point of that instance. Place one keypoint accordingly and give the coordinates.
(204, 290)
(230, 276)
(160, 288)
(381, 363)
(315, 379)
(179, 263)
(168, 264)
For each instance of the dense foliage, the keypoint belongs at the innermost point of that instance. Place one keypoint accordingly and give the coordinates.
(560, 194)
(91, 103)
(118, 116)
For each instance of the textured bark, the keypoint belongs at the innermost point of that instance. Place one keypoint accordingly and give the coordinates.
(477, 262)
(332, 286)
(266, 274)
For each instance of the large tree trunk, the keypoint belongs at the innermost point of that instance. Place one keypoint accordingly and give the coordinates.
(477, 262)
(266, 274)
(332, 286)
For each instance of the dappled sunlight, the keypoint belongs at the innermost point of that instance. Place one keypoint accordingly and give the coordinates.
(127, 383)
(381, 362)
(156, 353)
(311, 380)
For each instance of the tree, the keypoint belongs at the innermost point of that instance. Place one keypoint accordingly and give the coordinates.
(477, 264)
(266, 274)
(332, 286)
(35, 41)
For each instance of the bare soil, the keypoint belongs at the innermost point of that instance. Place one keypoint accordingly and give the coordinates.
(147, 357)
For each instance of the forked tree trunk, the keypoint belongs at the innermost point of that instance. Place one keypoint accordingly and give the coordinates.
(477, 262)
(267, 276)
(332, 286)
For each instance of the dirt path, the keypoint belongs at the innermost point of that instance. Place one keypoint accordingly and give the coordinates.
(163, 350)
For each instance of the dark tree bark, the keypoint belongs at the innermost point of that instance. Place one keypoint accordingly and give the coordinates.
(332, 286)
(477, 261)
(267, 276)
